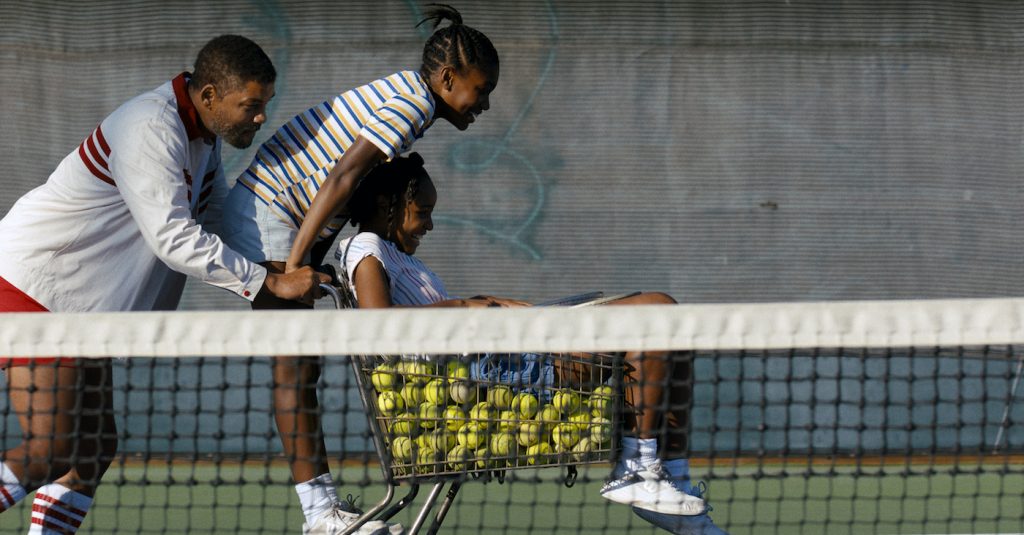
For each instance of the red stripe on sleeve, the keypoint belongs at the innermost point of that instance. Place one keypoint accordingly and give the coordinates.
(103, 141)
(92, 168)
(90, 145)
(205, 193)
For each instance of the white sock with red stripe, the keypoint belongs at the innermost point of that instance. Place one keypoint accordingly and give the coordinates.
(11, 491)
(58, 509)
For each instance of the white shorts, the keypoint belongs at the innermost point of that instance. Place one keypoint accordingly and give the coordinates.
(253, 230)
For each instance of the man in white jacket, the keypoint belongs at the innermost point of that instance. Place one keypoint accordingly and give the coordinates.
(118, 226)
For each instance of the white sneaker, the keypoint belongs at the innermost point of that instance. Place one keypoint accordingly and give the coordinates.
(653, 489)
(684, 525)
(341, 517)
(680, 524)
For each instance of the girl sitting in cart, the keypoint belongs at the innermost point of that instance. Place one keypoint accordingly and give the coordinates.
(392, 208)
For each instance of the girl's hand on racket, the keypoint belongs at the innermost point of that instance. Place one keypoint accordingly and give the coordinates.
(491, 301)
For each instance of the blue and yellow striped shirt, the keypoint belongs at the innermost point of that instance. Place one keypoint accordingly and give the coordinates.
(290, 167)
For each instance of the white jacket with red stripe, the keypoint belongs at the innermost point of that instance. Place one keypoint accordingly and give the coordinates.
(119, 223)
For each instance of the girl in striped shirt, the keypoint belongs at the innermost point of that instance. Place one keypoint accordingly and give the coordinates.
(393, 209)
(286, 208)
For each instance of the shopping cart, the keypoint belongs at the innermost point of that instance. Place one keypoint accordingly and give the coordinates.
(443, 420)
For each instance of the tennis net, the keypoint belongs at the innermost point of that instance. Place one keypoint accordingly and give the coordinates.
(855, 417)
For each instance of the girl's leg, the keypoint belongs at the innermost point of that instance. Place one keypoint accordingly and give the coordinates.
(680, 403)
(646, 380)
(297, 414)
(639, 479)
(296, 406)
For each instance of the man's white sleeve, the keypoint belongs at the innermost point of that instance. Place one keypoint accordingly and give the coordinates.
(147, 163)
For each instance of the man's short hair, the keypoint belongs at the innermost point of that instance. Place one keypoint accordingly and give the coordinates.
(230, 61)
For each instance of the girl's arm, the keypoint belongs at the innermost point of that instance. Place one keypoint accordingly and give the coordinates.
(371, 283)
(336, 190)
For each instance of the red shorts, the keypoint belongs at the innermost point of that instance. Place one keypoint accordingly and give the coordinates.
(14, 300)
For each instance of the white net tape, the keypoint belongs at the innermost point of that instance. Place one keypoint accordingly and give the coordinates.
(701, 327)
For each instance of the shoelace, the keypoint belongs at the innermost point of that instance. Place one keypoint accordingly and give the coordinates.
(350, 501)
(698, 491)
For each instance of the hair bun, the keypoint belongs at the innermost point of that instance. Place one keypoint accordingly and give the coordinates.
(415, 159)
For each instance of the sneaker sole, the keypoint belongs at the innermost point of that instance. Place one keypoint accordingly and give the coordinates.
(690, 507)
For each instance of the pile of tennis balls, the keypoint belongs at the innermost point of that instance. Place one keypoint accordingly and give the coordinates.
(438, 420)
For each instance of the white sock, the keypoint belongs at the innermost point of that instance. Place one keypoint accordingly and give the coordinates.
(58, 509)
(643, 453)
(648, 451)
(11, 491)
(317, 496)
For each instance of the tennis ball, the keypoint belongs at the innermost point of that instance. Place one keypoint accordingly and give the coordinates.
(417, 372)
(525, 404)
(549, 415)
(412, 394)
(508, 420)
(538, 453)
(600, 401)
(482, 412)
(426, 459)
(583, 450)
(503, 444)
(530, 433)
(422, 441)
(500, 396)
(441, 440)
(429, 415)
(462, 392)
(404, 424)
(390, 403)
(581, 419)
(483, 458)
(566, 401)
(566, 435)
(472, 436)
(402, 449)
(457, 458)
(600, 430)
(384, 377)
(435, 392)
(454, 417)
(457, 370)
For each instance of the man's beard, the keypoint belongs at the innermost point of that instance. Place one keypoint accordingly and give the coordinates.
(239, 136)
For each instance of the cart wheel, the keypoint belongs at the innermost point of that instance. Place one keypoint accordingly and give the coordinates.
(570, 476)
(500, 476)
